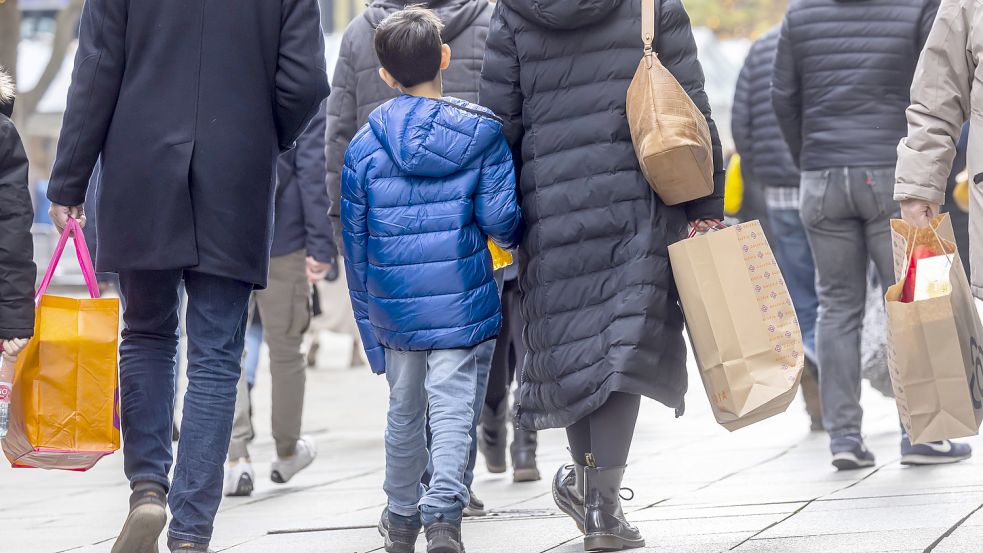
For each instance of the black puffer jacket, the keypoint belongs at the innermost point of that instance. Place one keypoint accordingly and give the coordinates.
(357, 89)
(600, 306)
(765, 158)
(17, 270)
(843, 78)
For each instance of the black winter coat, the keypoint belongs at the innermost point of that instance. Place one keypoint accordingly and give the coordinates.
(600, 305)
(357, 88)
(765, 158)
(843, 77)
(301, 221)
(17, 270)
(189, 103)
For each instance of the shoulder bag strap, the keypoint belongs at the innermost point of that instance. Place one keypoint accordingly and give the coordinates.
(650, 17)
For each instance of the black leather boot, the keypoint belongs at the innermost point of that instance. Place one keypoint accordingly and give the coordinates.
(493, 436)
(568, 492)
(604, 522)
(523, 451)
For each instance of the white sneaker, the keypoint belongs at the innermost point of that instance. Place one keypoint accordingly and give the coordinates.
(284, 469)
(239, 478)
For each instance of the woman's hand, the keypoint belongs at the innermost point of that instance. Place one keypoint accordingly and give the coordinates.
(703, 226)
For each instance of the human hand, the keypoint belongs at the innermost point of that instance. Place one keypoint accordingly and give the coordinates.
(316, 270)
(918, 213)
(703, 226)
(13, 347)
(60, 214)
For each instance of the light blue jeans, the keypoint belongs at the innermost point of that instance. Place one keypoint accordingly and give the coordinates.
(445, 381)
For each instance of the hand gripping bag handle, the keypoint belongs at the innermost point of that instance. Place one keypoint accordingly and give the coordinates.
(85, 261)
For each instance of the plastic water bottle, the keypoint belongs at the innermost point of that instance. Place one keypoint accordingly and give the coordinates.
(6, 385)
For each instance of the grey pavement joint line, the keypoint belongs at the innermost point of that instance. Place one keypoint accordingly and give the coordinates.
(808, 503)
(952, 529)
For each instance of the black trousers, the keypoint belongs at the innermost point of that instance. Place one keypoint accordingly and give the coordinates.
(510, 350)
(603, 437)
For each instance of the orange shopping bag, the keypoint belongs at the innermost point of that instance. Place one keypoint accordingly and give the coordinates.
(64, 411)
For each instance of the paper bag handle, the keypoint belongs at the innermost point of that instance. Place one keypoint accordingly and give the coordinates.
(82, 252)
(912, 232)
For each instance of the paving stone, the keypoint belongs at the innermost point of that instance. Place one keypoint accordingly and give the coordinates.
(857, 542)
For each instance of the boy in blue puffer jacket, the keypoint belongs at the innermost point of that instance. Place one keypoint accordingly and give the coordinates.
(424, 184)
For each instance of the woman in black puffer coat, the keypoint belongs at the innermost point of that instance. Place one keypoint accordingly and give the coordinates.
(603, 324)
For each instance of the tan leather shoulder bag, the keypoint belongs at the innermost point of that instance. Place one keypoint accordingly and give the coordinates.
(670, 134)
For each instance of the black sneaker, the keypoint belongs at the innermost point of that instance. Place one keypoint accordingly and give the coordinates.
(475, 506)
(850, 453)
(444, 537)
(399, 532)
(934, 453)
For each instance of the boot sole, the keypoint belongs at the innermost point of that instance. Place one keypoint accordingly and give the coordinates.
(610, 542)
(142, 529)
(928, 460)
(525, 475)
(445, 548)
(496, 469)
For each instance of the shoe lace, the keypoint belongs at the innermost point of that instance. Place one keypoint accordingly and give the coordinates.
(621, 494)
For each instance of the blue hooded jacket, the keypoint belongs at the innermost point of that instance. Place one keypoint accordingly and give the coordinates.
(424, 184)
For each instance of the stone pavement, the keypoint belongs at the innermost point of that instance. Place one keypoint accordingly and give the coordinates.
(698, 488)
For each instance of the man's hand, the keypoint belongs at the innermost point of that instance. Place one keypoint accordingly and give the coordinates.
(316, 270)
(60, 214)
(918, 213)
(14, 346)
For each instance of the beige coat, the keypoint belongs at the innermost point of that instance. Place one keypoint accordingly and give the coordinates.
(947, 92)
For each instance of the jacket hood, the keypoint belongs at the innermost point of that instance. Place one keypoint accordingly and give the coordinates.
(456, 15)
(434, 138)
(563, 14)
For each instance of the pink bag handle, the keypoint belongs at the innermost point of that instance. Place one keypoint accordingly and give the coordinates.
(85, 261)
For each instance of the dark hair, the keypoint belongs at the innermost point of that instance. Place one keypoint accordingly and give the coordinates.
(408, 44)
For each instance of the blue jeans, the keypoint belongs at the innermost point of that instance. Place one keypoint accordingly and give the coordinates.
(443, 381)
(215, 320)
(791, 246)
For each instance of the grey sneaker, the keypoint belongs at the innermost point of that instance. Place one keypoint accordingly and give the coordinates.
(850, 453)
(181, 546)
(444, 537)
(283, 470)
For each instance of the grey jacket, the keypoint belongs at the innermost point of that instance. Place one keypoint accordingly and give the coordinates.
(945, 94)
(357, 88)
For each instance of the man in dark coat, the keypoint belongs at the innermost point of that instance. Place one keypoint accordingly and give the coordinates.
(358, 90)
(188, 104)
(603, 322)
(17, 270)
(841, 85)
(768, 167)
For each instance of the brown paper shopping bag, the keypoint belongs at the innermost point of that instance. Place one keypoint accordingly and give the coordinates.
(741, 323)
(934, 345)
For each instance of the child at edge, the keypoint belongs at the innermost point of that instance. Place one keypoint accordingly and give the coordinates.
(17, 269)
(424, 184)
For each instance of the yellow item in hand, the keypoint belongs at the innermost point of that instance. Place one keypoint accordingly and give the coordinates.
(961, 192)
(500, 258)
(733, 187)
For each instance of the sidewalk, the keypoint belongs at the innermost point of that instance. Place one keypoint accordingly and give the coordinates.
(767, 488)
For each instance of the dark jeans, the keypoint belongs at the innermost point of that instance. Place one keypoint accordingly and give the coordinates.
(847, 214)
(791, 245)
(215, 323)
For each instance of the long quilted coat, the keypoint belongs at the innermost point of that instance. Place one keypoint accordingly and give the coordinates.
(599, 301)
(423, 186)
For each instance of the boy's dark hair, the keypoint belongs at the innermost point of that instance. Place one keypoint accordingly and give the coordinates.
(408, 44)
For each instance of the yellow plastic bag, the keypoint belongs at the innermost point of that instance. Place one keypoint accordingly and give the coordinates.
(64, 411)
(500, 258)
(733, 187)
